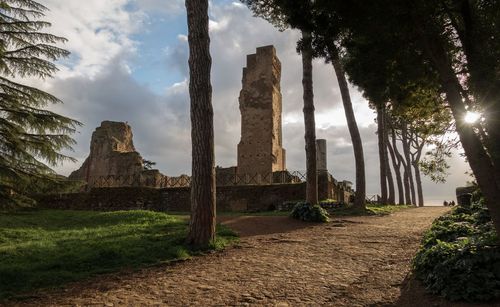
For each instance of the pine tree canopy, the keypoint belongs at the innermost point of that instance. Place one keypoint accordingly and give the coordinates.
(31, 137)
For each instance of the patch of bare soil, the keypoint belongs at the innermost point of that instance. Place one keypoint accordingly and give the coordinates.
(249, 226)
(353, 261)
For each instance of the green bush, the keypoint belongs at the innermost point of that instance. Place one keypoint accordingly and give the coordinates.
(460, 256)
(331, 204)
(310, 213)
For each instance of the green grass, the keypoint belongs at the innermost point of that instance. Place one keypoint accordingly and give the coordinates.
(370, 210)
(48, 248)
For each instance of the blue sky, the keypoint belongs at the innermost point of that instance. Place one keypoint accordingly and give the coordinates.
(129, 63)
(148, 67)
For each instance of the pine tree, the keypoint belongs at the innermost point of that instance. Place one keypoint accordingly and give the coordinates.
(203, 201)
(31, 137)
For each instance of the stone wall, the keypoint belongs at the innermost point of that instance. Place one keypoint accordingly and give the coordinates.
(248, 198)
(105, 199)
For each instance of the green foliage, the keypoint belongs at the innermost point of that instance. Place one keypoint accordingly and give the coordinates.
(31, 137)
(435, 164)
(148, 165)
(331, 204)
(48, 248)
(460, 256)
(309, 213)
(59, 185)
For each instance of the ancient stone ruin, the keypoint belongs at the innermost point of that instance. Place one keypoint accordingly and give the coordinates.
(321, 156)
(113, 160)
(260, 149)
(260, 179)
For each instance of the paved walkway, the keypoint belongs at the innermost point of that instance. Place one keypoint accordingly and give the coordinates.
(352, 261)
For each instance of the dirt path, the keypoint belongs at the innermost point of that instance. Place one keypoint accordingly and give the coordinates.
(353, 261)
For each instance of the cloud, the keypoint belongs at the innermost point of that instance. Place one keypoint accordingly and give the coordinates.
(98, 31)
(97, 85)
(158, 122)
(177, 56)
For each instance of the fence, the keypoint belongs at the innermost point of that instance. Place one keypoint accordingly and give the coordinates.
(223, 179)
(372, 199)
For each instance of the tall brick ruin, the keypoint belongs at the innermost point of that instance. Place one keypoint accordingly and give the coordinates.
(260, 149)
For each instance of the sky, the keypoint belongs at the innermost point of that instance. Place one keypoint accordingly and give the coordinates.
(129, 63)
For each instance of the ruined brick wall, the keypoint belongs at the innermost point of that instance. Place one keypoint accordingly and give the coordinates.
(260, 149)
(104, 199)
(232, 198)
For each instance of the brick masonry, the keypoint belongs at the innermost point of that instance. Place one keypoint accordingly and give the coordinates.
(260, 148)
(248, 198)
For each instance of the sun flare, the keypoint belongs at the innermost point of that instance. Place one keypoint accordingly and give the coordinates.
(472, 117)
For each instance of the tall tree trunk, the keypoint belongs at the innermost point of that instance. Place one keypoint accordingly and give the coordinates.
(418, 180)
(406, 183)
(484, 81)
(391, 198)
(401, 160)
(419, 147)
(309, 121)
(360, 196)
(479, 160)
(202, 223)
(382, 154)
(406, 151)
(397, 171)
(390, 180)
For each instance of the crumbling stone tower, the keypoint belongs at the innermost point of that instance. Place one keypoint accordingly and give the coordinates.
(260, 150)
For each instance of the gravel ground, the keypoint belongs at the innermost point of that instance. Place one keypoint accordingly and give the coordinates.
(351, 261)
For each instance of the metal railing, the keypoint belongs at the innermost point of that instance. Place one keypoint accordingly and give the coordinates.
(223, 179)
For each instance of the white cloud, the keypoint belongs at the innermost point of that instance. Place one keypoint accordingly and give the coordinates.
(97, 31)
(182, 38)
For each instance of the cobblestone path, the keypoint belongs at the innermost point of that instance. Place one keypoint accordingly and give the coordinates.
(351, 261)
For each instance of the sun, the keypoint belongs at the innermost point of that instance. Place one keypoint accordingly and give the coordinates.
(472, 117)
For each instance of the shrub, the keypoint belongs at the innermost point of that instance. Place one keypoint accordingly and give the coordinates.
(331, 204)
(460, 256)
(310, 213)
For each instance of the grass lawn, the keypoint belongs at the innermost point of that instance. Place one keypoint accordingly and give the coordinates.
(48, 248)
